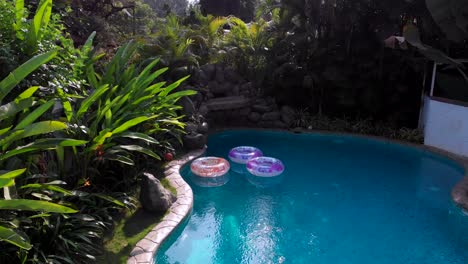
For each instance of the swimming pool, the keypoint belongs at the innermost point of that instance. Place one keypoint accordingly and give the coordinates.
(341, 199)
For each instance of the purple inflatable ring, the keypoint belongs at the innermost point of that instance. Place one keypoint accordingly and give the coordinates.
(265, 166)
(242, 154)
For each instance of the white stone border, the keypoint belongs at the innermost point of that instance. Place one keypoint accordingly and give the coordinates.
(146, 248)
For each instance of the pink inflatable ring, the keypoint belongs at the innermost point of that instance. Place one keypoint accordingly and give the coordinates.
(265, 167)
(209, 167)
(243, 153)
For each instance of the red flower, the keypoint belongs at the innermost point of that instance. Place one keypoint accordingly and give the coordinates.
(168, 156)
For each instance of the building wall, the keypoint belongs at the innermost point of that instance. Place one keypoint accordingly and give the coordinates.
(446, 125)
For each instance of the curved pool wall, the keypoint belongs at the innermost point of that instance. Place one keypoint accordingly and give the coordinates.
(343, 199)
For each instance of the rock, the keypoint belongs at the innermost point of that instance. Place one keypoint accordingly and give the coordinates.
(191, 128)
(212, 85)
(270, 101)
(197, 98)
(271, 116)
(265, 124)
(203, 110)
(231, 102)
(279, 124)
(308, 82)
(287, 115)
(194, 141)
(209, 70)
(333, 74)
(153, 196)
(254, 117)
(236, 90)
(203, 128)
(179, 72)
(202, 77)
(231, 75)
(246, 86)
(187, 105)
(244, 112)
(219, 88)
(219, 74)
(262, 108)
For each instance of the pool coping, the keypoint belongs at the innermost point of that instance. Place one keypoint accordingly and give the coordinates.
(145, 249)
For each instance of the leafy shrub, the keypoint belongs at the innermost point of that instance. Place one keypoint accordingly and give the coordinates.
(126, 115)
(304, 119)
(23, 37)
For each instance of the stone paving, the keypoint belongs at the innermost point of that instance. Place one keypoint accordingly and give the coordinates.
(145, 249)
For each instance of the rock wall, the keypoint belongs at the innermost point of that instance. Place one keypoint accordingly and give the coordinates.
(226, 98)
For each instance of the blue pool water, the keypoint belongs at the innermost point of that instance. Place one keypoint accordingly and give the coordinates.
(341, 199)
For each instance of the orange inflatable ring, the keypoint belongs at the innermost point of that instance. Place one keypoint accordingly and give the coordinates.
(210, 167)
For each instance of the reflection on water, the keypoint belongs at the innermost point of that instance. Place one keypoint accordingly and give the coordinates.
(210, 181)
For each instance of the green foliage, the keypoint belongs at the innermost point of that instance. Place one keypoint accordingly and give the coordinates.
(248, 46)
(303, 119)
(24, 36)
(128, 113)
(19, 116)
(59, 178)
(172, 44)
(10, 235)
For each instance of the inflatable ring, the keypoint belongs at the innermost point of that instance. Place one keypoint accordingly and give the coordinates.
(243, 153)
(209, 167)
(265, 167)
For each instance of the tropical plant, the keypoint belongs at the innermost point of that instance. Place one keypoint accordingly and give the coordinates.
(171, 44)
(127, 112)
(248, 45)
(8, 233)
(23, 37)
(18, 122)
(20, 115)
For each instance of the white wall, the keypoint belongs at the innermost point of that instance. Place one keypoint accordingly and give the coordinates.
(446, 126)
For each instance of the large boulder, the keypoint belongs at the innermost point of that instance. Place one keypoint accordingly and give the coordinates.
(194, 141)
(153, 196)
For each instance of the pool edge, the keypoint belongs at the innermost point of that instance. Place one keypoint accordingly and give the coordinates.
(145, 250)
